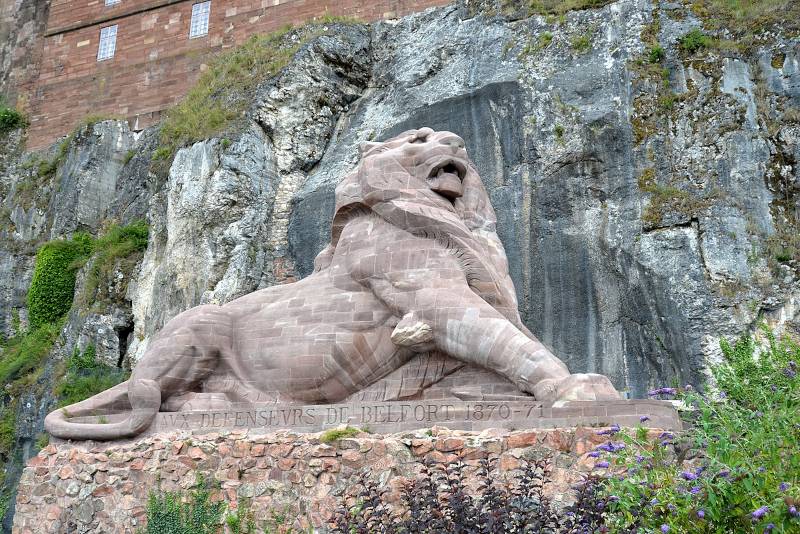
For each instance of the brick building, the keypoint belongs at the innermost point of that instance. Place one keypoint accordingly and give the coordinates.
(136, 58)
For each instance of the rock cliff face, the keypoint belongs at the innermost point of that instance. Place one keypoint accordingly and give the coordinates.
(648, 203)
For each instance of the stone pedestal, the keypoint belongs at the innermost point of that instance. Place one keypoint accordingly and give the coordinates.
(91, 487)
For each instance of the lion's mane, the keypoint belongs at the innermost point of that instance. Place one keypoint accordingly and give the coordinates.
(466, 227)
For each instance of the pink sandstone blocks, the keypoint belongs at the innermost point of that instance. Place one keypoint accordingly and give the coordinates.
(411, 301)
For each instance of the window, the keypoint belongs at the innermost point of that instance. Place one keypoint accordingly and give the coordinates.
(108, 43)
(112, 2)
(199, 26)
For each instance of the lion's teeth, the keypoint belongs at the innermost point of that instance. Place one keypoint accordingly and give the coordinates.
(440, 172)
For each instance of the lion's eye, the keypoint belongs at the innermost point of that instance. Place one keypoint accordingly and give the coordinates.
(416, 140)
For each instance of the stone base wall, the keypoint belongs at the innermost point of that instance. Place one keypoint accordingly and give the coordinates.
(101, 488)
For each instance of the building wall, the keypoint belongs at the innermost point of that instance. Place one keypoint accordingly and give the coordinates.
(155, 61)
(22, 27)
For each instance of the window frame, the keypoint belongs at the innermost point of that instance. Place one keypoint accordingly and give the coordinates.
(199, 10)
(110, 37)
(112, 3)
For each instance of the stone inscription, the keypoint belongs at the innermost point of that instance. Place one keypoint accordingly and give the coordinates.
(288, 417)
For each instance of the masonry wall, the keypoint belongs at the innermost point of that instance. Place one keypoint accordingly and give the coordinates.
(155, 61)
(88, 488)
(22, 28)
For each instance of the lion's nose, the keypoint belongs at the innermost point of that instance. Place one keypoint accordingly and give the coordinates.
(453, 141)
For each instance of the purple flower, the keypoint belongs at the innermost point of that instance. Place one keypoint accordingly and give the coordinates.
(723, 395)
(665, 528)
(701, 514)
(790, 373)
(666, 435)
(613, 498)
(594, 454)
(688, 387)
(769, 527)
(666, 443)
(662, 391)
(762, 469)
(760, 512)
(724, 473)
(695, 490)
(653, 501)
(792, 364)
(793, 511)
(688, 476)
(602, 464)
(609, 431)
(644, 418)
(784, 486)
(639, 458)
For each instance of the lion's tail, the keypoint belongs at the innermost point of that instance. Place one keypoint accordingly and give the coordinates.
(137, 402)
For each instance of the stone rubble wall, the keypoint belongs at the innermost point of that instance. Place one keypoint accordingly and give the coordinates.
(101, 488)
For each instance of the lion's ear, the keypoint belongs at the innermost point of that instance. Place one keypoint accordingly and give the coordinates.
(367, 146)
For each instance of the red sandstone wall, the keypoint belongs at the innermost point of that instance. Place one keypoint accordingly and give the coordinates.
(155, 61)
(22, 26)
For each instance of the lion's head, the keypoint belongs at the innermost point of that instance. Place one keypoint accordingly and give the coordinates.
(424, 182)
(438, 158)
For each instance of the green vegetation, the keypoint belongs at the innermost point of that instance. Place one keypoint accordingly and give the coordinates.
(224, 90)
(336, 434)
(695, 40)
(656, 54)
(745, 471)
(24, 353)
(85, 377)
(10, 118)
(784, 245)
(581, 43)
(559, 7)
(746, 17)
(53, 283)
(118, 244)
(669, 199)
(241, 520)
(169, 514)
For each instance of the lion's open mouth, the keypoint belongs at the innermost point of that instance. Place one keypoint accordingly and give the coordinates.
(451, 167)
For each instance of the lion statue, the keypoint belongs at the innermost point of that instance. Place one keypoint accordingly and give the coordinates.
(414, 273)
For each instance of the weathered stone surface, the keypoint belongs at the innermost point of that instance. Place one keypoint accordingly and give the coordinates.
(47, 500)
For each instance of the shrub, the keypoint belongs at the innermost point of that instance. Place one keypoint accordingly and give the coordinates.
(695, 40)
(118, 243)
(24, 353)
(168, 513)
(656, 54)
(581, 43)
(744, 471)
(10, 118)
(85, 377)
(438, 501)
(53, 283)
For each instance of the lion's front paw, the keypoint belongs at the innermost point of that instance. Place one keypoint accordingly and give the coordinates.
(579, 386)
